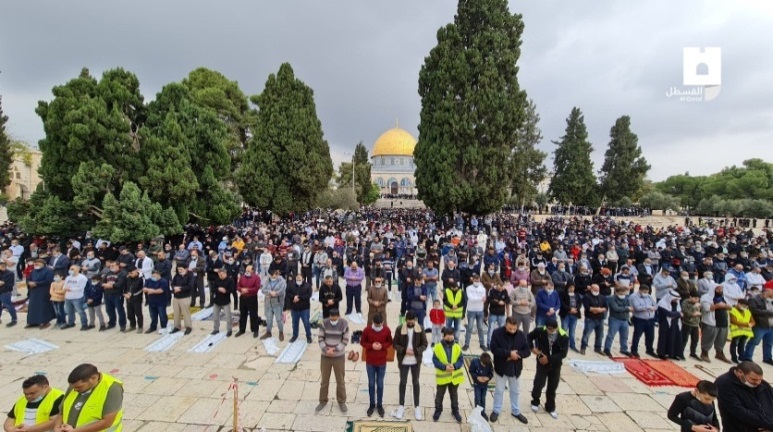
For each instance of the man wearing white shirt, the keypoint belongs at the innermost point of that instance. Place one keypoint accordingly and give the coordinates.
(476, 296)
(74, 285)
(144, 265)
(754, 278)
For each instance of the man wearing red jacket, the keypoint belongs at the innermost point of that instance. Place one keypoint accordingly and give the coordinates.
(376, 340)
(248, 287)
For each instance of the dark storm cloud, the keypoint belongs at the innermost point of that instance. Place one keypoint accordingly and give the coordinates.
(363, 58)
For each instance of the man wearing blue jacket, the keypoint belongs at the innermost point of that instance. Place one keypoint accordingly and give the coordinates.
(548, 304)
(157, 292)
(620, 310)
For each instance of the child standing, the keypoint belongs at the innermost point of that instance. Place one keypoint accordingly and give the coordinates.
(696, 408)
(438, 319)
(93, 295)
(741, 323)
(57, 299)
(481, 371)
(691, 321)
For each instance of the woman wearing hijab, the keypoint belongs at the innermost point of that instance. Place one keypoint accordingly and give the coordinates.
(669, 334)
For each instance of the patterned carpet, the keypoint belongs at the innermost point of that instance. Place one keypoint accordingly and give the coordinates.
(378, 426)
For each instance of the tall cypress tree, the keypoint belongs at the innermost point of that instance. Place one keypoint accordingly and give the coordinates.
(287, 164)
(624, 169)
(573, 180)
(528, 161)
(472, 108)
(6, 155)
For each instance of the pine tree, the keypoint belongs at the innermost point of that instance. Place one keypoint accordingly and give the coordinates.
(573, 180)
(528, 161)
(624, 169)
(287, 164)
(472, 109)
(6, 154)
(362, 180)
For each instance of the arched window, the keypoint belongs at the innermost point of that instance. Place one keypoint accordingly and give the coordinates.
(406, 182)
(18, 175)
(380, 182)
(392, 162)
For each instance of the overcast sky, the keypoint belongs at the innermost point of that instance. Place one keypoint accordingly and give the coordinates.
(362, 58)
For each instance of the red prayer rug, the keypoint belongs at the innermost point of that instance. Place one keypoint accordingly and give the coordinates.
(644, 372)
(674, 372)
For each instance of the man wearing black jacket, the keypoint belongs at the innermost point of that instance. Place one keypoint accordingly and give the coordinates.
(745, 400)
(509, 346)
(115, 286)
(223, 288)
(550, 344)
(298, 297)
(330, 295)
(182, 285)
(133, 294)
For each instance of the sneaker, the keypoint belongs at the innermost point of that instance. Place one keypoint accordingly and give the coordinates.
(370, 410)
(188, 331)
(400, 412)
(521, 418)
(174, 330)
(228, 333)
(417, 414)
(494, 416)
(457, 416)
(380, 410)
(554, 414)
(436, 415)
(320, 407)
(343, 407)
(534, 408)
(483, 414)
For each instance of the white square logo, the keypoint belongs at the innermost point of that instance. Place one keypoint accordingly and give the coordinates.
(702, 66)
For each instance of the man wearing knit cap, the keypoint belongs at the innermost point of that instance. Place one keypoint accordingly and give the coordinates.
(761, 306)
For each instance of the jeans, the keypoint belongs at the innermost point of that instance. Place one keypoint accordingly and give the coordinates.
(303, 316)
(475, 317)
(354, 298)
(540, 320)
(375, 383)
(437, 333)
(646, 327)
(499, 320)
(5, 302)
(95, 312)
(420, 314)
(113, 304)
(72, 306)
(592, 325)
(456, 324)
(760, 334)
(61, 315)
(157, 313)
(415, 371)
(617, 326)
(432, 289)
(317, 272)
(273, 313)
(499, 393)
(738, 347)
(569, 324)
(480, 392)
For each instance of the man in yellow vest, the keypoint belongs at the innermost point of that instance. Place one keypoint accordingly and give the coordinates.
(447, 358)
(94, 402)
(454, 305)
(34, 411)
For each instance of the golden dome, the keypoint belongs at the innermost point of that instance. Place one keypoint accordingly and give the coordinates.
(394, 142)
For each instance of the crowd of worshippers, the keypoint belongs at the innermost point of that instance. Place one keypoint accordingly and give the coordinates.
(495, 274)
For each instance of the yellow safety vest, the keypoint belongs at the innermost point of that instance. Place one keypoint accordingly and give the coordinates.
(43, 413)
(92, 409)
(742, 317)
(455, 300)
(443, 377)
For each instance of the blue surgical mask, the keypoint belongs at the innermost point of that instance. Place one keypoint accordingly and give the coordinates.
(154, 278)
(38, 399)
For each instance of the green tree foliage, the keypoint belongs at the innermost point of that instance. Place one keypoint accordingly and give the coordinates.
(716, 206)
(6, 153)
(213, 90)
(361, 154)
(335, 199)
(17, 209)
(573, 181)
(472, 109)
(362, 182)
(48, 215)
(373, 194)
(133, 216)
(624, 169)
(528, 162)
(659, 201)
(287, 164)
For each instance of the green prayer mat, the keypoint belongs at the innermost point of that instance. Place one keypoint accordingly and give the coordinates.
(378, 426)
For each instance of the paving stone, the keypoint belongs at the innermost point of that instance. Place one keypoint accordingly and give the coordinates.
(618, 422)
(636, 402)
(649, 420)
(600, 404)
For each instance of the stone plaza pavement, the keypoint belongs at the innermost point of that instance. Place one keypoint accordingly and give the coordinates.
(180, 391)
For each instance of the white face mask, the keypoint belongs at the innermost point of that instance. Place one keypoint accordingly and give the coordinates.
(377, 328)
(333, 322)
(621, 296)
(549, 290)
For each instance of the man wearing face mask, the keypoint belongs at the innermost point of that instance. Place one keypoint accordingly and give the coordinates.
(761, 307)
(509, 347)
(619, 310)
(274, 292)
(548, 304)
(377, 299)
(94, 402)
(248, 287)
(157, 292)
(410, 342)
(333, 336)
(582, 280)
(299, 296)
(36, 409)
(539, 279)
(523, 302)
(745, 400)
(376, 340)
(595, 310)
(40, 311)
(449, 375)
(476, 295)
(706, 284)
(550, 344)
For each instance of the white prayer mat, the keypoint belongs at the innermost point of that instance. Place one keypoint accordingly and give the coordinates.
(208, 343)
(271, 347)
(315, 296)
(202, 315)
(32, 346)
(292, 352)
(164, 342)
(597, 366)
(355, 318)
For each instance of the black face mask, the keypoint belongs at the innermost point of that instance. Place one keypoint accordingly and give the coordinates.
(410, 325)
(448, 342)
